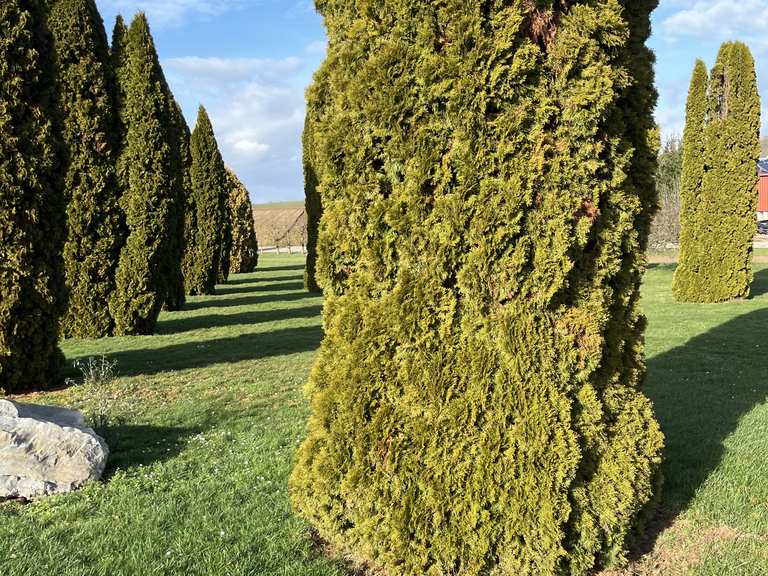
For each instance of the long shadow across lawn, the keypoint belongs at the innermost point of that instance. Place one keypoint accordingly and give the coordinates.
(220, 351)
(760, 283)
(252, 287)
(133, 445)
(249, 300)
(701, 390)
(178, 325)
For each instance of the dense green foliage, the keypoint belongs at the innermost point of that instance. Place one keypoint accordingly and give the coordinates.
(209, 194)
(225, 254)
(94, 221)
(244, 254)
(32, 228)
(487, 183)
(721, 148)
(692, 250)
(316, 97)
(146, 167)
(182, 185)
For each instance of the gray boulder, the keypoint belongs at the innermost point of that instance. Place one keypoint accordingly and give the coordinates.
(46, 450)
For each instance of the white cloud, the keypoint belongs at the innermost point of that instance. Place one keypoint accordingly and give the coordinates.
(233, 69)
(163, 12)
(257, 110)
(717, 19)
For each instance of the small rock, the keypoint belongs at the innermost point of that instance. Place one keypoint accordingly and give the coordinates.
(46, 450)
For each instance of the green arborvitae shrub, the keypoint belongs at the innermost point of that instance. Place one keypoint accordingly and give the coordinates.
(693, 247)
(225, 256)
(94, 221)
(32, 229)
(487, 183)
(209, 186)
(316, 97)
(190, 209)
(146, 164)
(179, 138)
(244, 255)
(719, 225)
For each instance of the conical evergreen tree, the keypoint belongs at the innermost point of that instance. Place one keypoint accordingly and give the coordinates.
(179, 138)
(118, 59)
(487, 192)
(245, 250)
(189, 257)
(721, 154)
(209, 186)
(312, 203)
(693, 246)
(94, 222)
(225, 257)
(147, 165)
(32, 229)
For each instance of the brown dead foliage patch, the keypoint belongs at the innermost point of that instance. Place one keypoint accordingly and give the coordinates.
(543, 23)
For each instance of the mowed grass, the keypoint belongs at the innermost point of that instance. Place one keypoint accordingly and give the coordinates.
(207, 415)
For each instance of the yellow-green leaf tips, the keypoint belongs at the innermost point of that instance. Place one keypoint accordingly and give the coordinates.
(487, 185)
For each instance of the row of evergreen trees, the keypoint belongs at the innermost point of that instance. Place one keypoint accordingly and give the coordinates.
(721, 146)
(485, 172)
(110, 209)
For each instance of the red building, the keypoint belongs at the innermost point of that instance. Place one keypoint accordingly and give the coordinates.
(762, 205)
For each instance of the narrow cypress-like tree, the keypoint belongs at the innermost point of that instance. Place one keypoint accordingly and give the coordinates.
(146, 164)
(487, 190)
(209, 186)
(312, 203)
(245, 250)
(721, 148)
(225, 257)
(179, 138)
(693, 246)
(94, 222)
(189, 258)
(32, 228)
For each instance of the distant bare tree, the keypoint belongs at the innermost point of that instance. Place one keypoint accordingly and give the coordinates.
(666, 226)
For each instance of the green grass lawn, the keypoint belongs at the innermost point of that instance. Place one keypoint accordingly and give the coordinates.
(207, 415)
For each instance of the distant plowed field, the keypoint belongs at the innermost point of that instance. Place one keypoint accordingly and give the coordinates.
(280, 226)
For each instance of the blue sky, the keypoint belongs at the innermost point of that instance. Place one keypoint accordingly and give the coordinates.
(249, 62)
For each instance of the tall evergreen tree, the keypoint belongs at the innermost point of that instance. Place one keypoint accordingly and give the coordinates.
(245, 250)
(487, 183)
(146, 164)
(312, 207)
(209, 186)
(94, 223)
(692, 232)
(32, 229)
(179, 138)
(118, 60)
(225, 256)
(719, 180)
(317, 95)
(189, 258)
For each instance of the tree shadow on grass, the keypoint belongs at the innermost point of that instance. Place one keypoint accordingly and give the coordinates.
(140, 445)
(280, 268)
(288, 285)
(760, 283)
(175, 325)
(248, 300)
(191, 355)
(701, 390)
